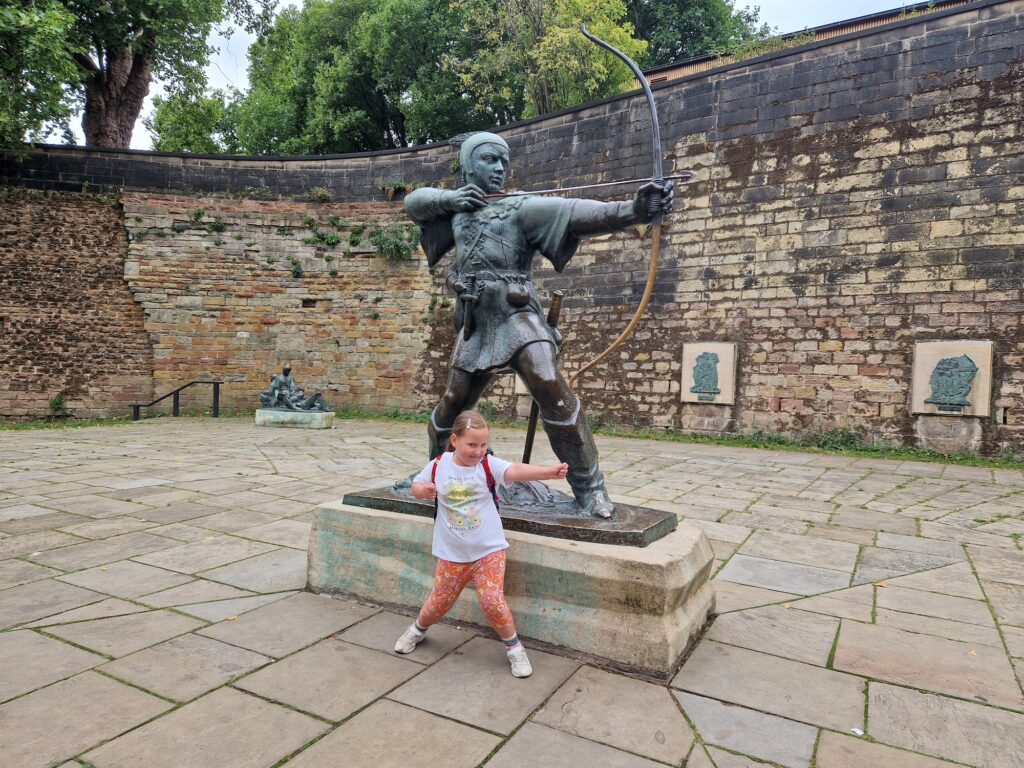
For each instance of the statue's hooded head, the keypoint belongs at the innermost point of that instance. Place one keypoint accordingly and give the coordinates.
(477, 165)
(287, 368)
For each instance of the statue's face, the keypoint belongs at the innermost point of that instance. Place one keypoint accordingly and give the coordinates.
(488, 167)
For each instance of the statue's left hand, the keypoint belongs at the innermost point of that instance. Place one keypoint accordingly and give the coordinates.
(653, 198)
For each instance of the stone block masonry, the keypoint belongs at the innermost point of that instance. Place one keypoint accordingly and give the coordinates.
(853, 197)
(68, 323)
(233, 289)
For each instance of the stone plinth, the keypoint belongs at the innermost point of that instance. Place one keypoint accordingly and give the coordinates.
(637, 609)
(268, 417)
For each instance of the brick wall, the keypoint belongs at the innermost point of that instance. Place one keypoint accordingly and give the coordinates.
(67, 320)
(852, 197)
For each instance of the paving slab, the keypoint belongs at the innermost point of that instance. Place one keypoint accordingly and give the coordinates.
(539, 745)
(957, 580)
(473, 684)
(391, 735)
(838, 751)
(287, 625)
(78, 557)
(1000, 565)
(929, 625)
(782, 577)
(194, 591)
(699, 758)
(877, 563)
(286, 533)
(805, 550)
(967, 670)
(832, 606)
(112, 606)
(226, 729)
(95, 506)
(101, 529)
(125, 579)
(185, 667)
(122, 635)
(858, 517)
(1006, 599)
(621, 712)
(49, 522)
(53, 724)
(381, 630)
(23, 511)
(754, 733)
(277, 571)
(774, 629)
(920, 544)
(331, 679)
(181, 532)
(723, 759)
(175, 513)
(736, 597)
(13, 573)
(946, 728)
(40, 541)
(28, 602)
(204, 555)
(31, 661)
(1014, 640)
(220, 610)
(772, 684)
(933, 604)
(233, 520)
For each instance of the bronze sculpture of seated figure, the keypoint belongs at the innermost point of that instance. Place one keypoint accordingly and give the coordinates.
(284, 394)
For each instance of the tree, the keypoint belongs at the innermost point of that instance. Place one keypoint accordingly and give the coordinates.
(36, 66)
(534, 47)
(183, 122)
(679, 29)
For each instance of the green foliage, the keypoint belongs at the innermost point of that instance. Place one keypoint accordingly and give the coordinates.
(284, 231)
(38, 73)
(310, 223)
(679, 29)
(333, 273)
(753, 47)
(337, 222)
(331, 239)
(320, 195)
(187, 122)
(354, 238)
(197, 216)
(393, 242)
(217, 225)
(375, 315)
(58, 405)
(296, 270)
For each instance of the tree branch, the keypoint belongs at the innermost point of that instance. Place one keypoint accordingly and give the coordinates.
(85, 62)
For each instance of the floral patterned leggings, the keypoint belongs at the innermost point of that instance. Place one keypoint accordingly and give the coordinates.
(487, 575)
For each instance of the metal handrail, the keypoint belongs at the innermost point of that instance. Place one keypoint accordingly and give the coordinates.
(176, 402)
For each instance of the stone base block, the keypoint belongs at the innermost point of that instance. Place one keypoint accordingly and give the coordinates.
(268, 417)
(635, 609)
(949, 434)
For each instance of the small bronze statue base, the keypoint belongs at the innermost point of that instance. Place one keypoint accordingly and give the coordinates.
(540, 510)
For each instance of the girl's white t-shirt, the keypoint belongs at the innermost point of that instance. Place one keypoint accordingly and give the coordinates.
(468, 526)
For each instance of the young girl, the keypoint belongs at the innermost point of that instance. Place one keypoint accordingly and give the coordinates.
(469, 543)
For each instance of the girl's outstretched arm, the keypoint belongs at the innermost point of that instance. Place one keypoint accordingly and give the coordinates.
(524, 472)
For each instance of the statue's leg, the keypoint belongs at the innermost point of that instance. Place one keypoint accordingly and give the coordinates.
(565, 425)
(462, 393)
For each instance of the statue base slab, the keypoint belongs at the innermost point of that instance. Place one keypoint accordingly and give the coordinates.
(271, 417)
(627, 608)
(629, 526)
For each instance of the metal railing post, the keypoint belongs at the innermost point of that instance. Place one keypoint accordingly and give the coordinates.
(135, 413)
(176, 403)
(216, 399)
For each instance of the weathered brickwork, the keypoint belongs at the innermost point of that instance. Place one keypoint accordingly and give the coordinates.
(67, 320)
(852, 197)
(230, 289)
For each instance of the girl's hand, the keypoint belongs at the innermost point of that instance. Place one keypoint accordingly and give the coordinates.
(424, 491)
(559, 471)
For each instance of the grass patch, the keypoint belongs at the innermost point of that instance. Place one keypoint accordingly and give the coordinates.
(62, 423)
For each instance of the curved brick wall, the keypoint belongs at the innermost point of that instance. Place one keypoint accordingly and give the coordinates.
(852, 197)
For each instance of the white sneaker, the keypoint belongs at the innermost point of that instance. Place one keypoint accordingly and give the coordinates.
(520, 664)
(409, 640)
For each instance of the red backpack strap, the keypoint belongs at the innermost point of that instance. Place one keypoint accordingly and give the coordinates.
(491, 485)
(433, 476)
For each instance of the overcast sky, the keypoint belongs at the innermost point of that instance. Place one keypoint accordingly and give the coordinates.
(228, 67)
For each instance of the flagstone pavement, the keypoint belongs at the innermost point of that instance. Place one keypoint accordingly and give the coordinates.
(870, 614)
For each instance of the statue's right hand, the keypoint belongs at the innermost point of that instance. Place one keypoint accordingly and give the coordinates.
(468, 198)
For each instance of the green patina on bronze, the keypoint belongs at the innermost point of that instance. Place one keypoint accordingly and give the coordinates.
(284, 394)
(705, 377)
(951, 383)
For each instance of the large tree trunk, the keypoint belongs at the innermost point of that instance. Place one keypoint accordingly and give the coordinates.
(113, 99)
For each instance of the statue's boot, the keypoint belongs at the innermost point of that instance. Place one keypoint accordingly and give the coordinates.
(572, 443)
(438, 437)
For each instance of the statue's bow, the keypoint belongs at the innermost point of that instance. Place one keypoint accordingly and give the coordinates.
(658, 177)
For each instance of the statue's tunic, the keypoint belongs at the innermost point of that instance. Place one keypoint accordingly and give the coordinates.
(494, 249)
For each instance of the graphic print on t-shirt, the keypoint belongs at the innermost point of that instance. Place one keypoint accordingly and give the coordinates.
(460, 495)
